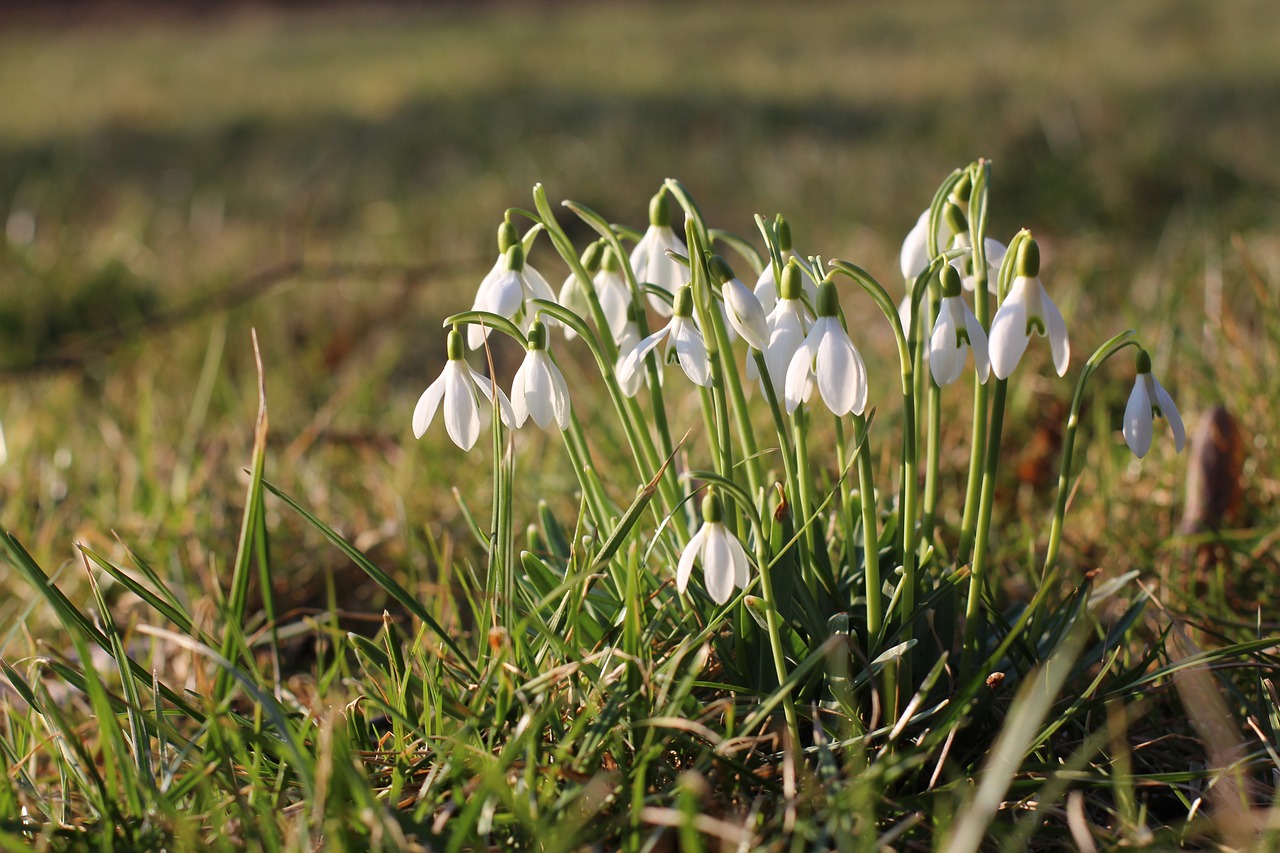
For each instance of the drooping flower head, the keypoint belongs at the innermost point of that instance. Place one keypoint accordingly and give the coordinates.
(828, 357)
(627, 342)
(505, 291)
(539, 390)
(685, 345)
(613, 292)
(955, 333)
(649, 259)
(1147, 400)
(464, 392)
(787, 324)
(741, 308)
(1026, 310)
(724, 560)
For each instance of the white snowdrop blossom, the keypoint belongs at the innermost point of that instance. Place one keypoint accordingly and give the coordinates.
(649, 259)
(724, 560)
(1025, 310)
(613, 293)
(685, 345)
(830, 359)
(994, 251)
(506, 294)
(954, 334)
(787, 324)
(1147, 400)
(539, 390)
(627, 342)
(466, 395)
(742, 310)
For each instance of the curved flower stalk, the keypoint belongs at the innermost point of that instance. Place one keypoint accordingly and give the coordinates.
(1025, 310)
(506, 294)
(828, 357)
(788, 324)
(766, 288)
(684, 345)
(724, 560)
(956, 332)
(539, 390)
(1147, 400)
(462, 390)
(649, 259)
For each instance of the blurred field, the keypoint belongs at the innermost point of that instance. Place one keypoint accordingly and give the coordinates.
(335, 179)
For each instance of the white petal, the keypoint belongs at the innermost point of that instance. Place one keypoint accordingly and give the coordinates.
(1170, 411)
(1137, 418)
(629, 365)
(1056, 328)
(615, 298)
(746, 314)
(538, 285)
(538, 389)
(485, 392)
(1009, 331)
(978, 341)
(425, 411)
(946, 359)
(685, 568)
(766, 289)
(785, 337)
(520, 392)
(461, 413)
(914, 258)
(836, 367)
(691, 349)
(717, 563)
(799, 377)
(741, 566)
(559, 396)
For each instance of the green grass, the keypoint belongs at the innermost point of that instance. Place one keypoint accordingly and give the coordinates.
(334, 181)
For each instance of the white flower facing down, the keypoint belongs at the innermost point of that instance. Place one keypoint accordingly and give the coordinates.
(463, 391)
(506, 292)
(627, 342)
(613, 293)
(539, 390)
(954, 334)
(649, 259)
(1025, 310)
(787, 325)
(685, 345)
(745, 314)
(1147, 400)
(724, 560)
(830, 359)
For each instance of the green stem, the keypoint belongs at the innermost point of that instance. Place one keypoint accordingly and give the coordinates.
(870, 536)
(1095, 361)
(981, 549)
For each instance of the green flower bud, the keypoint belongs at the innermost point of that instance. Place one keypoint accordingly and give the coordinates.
(955, 220)
(1027, 264)
(963, 189)
(660, 209)
(515, 258)
(683, 306)
(784, 235)
(712, 508)
(508, 236)
(592, 257)
(537, 336)
(828, 299)
(720, 269)
(1144, 361)
(792, 283)
(950, 280)
(455, 346)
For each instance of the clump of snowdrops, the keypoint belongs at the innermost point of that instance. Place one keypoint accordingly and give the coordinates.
(778, 549)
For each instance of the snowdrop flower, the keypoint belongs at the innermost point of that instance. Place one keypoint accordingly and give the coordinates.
(788, 323)
(723, 559)
(539, 390)
(507, 292)
(463, 391)
(627, 342)
(828, 356)
(649, 259)
(684, 345)
(766, 289)
(1027, 309)
(613, 293)
(994, 250)
(743, 311)
(1148, 399)
(954, 334)
(573, 293)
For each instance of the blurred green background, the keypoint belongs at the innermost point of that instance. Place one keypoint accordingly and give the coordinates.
(334, 179)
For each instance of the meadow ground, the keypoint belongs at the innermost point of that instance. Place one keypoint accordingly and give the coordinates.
(334, 180)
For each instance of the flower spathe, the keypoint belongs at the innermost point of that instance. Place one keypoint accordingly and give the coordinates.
(955, 333)
(685, 345)
(1147, 400)
(724, 560)
(462, 390)
(830, 359)
(1025, 310)
(539, 390)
